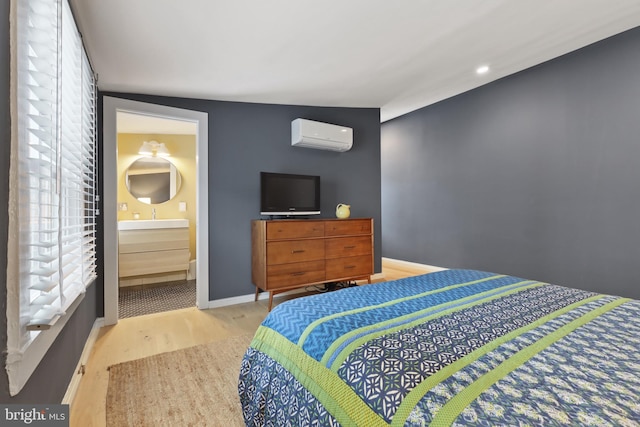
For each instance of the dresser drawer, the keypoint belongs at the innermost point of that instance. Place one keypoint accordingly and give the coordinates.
(349, 267)
(347, 246)
(285, 275)
(294, 251)
(279, 230)
(347, 227)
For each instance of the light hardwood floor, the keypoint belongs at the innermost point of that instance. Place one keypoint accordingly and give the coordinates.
(143, 336)
(394, 269)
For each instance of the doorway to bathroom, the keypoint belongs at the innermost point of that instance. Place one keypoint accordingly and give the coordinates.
(156, 188)
(155, 216)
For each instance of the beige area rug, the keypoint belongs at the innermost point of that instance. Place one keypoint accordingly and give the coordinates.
(196, 386)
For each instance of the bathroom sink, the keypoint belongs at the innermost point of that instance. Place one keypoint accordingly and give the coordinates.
(149, 224)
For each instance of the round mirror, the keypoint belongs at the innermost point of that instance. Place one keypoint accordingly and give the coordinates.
(153, 180)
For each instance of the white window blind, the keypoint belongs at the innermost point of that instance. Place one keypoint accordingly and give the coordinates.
(53, 220)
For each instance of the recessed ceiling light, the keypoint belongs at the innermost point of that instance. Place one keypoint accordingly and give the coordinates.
(482, 69)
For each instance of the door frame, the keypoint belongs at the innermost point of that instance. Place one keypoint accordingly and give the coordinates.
(111, 106)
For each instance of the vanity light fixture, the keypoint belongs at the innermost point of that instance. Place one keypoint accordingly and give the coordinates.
(154, 148)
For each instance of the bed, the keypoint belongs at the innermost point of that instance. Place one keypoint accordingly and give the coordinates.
(455, 347)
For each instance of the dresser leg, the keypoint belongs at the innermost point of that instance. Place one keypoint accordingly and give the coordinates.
(257, 293)
(270, 300)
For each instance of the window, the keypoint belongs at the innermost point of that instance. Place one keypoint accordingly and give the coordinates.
(52, 202)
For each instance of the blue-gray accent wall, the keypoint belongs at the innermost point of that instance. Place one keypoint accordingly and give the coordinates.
(247, 138)
(535, 175)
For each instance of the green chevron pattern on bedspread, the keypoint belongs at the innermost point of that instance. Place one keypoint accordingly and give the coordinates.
(457, 347)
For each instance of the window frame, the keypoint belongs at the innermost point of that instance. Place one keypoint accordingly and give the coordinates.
(28, 340)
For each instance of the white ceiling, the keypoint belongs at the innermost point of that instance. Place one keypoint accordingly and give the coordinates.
(395, 55)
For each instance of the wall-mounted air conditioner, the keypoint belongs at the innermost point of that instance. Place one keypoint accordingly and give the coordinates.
(322, 136)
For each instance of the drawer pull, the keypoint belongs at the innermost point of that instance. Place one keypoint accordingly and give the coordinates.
(297, 251)
(346, 267)
(350, 247)
(299, 273)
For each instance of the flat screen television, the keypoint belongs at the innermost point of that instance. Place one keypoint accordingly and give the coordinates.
(289, 194)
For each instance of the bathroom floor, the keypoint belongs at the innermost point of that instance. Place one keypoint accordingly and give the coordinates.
(155, 299)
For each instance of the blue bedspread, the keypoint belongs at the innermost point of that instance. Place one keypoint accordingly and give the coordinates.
(457, 347)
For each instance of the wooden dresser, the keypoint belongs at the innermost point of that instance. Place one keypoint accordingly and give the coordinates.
(289, 254)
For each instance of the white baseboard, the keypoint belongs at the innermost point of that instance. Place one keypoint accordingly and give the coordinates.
(72, 389)
(223, 302)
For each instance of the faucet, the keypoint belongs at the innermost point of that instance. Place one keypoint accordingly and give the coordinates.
(153, 213)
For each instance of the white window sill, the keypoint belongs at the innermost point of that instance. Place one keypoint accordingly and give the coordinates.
(22, 362)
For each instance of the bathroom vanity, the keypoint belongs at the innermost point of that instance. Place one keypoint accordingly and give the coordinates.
(153, 246)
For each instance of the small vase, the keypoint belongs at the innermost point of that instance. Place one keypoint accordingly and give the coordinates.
(343, 211)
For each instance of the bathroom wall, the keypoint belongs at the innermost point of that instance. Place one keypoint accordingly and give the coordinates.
(183, 156)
